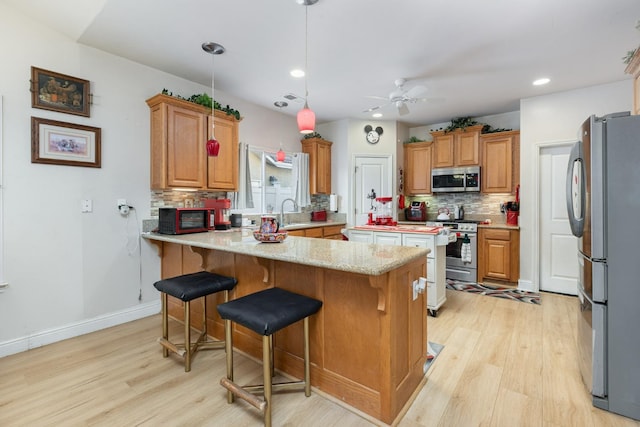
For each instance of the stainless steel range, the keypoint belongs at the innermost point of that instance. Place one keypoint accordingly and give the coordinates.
(460, 267)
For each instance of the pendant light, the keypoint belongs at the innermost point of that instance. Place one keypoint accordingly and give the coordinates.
(213, 146)
(280, 155)
(306, 117)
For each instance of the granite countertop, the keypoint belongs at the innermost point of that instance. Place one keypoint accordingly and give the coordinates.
(354, 257)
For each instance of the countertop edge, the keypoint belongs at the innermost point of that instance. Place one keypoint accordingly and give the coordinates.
(271, 251)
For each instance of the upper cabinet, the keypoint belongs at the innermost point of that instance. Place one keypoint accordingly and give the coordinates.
(179, 133)
(222, 171)
(456, 148)
(633, 68)
(500, 157)
(319, 152)
(417, 167)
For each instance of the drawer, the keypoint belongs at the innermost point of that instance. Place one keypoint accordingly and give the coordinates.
(313, 232)
(420, 241)
(495, 234)
(333, 230)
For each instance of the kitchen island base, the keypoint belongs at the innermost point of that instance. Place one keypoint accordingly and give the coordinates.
(368, 341)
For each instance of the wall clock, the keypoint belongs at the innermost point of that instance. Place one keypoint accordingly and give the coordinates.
(373, 135)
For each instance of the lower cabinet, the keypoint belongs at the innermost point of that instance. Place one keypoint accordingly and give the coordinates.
(498, 254)
(327, 232)
(361, 236)
(436, 266)
(436, 259)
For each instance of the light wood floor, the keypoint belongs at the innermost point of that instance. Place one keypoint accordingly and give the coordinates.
(504, 363)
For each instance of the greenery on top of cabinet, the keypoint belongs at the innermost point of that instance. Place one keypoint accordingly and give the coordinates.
(463, 123)
(312, 135)
(206, 101)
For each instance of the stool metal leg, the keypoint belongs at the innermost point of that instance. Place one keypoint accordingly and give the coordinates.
(307, 368)
(187, 336)
(165, 323)
(266, 370)
(204, 316)
(228, 347)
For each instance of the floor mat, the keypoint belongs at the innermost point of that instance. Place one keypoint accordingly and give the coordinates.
(495, 291)
(433, 350)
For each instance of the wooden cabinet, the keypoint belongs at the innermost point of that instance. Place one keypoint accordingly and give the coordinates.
(633, 68)
(498, 254)
(333, 232)
(179, 133)
(456, 148)
(326, 232)
(417, 167)
(319, 152)
(222, 171)
(500, 168)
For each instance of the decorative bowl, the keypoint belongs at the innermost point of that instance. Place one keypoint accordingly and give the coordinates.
(270, 237)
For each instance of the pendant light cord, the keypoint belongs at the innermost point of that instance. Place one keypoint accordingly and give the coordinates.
(306, 54)
(213, 73)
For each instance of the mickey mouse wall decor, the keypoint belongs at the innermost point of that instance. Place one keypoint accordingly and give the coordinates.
(373, 135)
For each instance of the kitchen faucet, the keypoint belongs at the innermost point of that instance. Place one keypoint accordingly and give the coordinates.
(295, 206)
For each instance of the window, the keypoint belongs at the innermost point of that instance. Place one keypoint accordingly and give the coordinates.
(271, 181)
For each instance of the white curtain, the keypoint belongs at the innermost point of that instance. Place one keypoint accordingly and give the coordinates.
(244, 198)
(300, 171)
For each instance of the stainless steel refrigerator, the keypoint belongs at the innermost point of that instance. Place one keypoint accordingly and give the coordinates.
(603, 202)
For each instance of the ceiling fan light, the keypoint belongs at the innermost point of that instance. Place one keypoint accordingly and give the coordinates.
(306, 120)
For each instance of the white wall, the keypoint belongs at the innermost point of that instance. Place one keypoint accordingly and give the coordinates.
(555, 118)
(71, 272)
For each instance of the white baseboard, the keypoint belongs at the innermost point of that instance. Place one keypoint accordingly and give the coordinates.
(73, 330)
(527, 285)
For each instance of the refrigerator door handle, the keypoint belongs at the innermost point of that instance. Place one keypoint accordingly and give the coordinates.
(575, 191)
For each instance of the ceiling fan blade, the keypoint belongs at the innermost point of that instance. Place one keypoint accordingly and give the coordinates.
(384, 98)
(403, 110)
(416, 92)
(368, 110)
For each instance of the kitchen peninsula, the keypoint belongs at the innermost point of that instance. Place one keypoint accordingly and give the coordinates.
(368, 342)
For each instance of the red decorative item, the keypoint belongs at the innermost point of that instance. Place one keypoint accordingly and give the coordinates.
(306, 119)
(213, 147)
(280, 155)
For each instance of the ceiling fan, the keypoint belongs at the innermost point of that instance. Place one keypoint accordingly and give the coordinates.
(400, 97)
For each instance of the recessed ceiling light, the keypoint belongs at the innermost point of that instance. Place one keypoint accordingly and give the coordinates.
(297, 73)
(541, 82)
(376, 115)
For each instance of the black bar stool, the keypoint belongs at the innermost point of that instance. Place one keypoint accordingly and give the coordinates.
(265, 313)
(186, 288)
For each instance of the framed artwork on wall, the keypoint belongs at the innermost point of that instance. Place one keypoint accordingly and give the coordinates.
(60, 143)
(59, 92)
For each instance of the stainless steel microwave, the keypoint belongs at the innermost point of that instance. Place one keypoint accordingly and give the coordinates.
(455, 180)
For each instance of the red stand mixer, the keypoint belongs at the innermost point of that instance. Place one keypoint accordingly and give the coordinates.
(221, 216)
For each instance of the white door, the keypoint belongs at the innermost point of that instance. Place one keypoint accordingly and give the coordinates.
(558, 247)
(372, 175)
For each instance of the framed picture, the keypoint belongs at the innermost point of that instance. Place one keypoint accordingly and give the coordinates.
(57, 92)
(60, 143)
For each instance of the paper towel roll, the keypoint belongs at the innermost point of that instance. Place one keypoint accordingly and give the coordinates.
(333, 202)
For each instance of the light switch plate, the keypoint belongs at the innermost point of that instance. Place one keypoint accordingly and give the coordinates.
(87, 206)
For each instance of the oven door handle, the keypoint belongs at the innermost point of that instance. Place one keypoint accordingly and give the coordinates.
(457, 271)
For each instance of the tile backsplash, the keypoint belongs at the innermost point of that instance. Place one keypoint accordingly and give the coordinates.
(476, 205)
(181, 199)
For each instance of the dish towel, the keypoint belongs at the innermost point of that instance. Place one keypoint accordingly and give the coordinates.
(465, 249)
